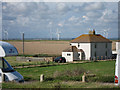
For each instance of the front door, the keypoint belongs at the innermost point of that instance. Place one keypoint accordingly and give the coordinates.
(75, 52)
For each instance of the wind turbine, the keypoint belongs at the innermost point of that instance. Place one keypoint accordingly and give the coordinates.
(5, 34)
(105, 32)
(50, 23)
(58, 34)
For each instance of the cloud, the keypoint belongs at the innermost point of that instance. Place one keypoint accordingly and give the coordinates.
(109, 16)
(61, 25)
(73, 18)
(75, 21)
(25, 12)
(93, 14)
(62, 8)
(24, 20)
(85, 17)
(39, 16)
(94, 6)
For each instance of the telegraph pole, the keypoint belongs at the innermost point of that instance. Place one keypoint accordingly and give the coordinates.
(23, 41)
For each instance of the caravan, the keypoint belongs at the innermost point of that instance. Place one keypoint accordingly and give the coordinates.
(7, 73)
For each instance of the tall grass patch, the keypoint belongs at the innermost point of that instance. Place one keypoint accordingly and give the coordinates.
(70, 74)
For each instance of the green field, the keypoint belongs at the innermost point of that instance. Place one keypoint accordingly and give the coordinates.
(68, 76)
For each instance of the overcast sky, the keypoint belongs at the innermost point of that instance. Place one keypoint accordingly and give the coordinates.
(42, 19)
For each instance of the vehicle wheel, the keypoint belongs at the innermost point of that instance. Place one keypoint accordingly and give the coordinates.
(64, 61)
(58, 61)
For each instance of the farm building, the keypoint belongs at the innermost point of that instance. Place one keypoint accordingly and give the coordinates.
(90, 46)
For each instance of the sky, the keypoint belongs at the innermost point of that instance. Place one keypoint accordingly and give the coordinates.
(70, 19)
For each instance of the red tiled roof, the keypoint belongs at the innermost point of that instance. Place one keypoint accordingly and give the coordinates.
(88, 38)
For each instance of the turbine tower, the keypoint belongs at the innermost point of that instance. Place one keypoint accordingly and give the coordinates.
(58, 34)
(50, 23)
(5, 34)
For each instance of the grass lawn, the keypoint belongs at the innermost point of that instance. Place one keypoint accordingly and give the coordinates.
(68, 76)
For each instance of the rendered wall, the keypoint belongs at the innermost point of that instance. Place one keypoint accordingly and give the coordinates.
(101, 50)
(117, 46)
(68, 58)
(85, 47)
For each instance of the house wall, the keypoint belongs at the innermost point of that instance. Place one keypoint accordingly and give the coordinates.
(101, 50)
(68, 58)
(117, 46)
(85, 47)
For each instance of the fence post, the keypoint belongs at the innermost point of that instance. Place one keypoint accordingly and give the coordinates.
(97, 57)
(94, 58)
(105, 57)
(41, 78)
(84, 77)
(101, 57)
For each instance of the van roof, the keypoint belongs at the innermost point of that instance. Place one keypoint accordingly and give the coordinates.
(6, 49)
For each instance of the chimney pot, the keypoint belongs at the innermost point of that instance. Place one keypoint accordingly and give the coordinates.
(92, 32)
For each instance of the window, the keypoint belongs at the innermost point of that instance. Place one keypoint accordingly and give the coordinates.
(95, 45)
(6, 67)
(78, 45)
(1, 62)
(106, 45)
(78, 54)
(95, 54)
(68, 54)
(106, 53)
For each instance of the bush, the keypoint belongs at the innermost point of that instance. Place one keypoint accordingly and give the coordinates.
(69, 74)
(104, 79)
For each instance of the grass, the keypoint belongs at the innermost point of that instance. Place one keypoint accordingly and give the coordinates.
(58, 84)
(13, 62)
(67, 76)
(35, 55)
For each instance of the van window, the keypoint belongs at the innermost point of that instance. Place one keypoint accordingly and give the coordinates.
(6, 66)
(0, 62)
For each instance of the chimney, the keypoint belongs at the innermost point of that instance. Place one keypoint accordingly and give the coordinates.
(92, 32)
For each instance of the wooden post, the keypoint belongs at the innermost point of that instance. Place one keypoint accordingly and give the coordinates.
(97, 57)
(83, 77)
(105, 57)
(101, 57)
(41, 78)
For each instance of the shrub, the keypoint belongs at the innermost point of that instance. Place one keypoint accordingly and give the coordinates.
(104, 79)
(70, 74)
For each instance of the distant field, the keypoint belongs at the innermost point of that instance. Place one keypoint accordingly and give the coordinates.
(41, 47)
(45, 46)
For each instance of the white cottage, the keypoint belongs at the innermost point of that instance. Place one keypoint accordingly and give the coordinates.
(90, 46)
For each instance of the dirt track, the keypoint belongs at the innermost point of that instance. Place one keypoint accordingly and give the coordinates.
(41, 47)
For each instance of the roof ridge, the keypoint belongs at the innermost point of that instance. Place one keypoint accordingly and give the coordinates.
(104, 37)
(90, 38)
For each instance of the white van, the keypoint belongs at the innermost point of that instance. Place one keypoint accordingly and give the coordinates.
(7, 73)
